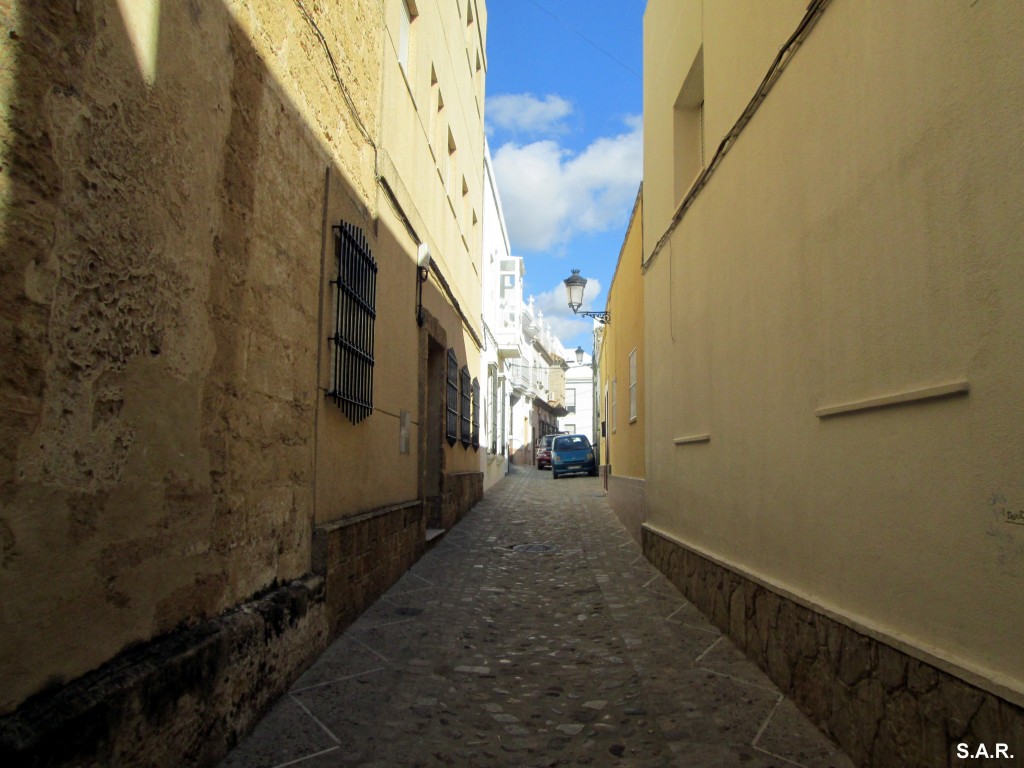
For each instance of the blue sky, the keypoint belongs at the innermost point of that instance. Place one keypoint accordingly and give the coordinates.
(563, 116)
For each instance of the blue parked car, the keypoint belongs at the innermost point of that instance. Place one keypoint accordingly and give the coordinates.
(571, 454)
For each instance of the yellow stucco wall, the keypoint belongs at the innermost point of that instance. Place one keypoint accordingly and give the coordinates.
(624, 446)
(169, 172)
(413, 151)
(861, 239)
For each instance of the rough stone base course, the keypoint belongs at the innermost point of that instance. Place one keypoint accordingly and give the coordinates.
(461, 491)
(361, 557)
(881, 705)
(184, 699)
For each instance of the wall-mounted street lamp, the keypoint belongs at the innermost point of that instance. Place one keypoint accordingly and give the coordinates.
(422, 270)
(580, 354)
(574, 285)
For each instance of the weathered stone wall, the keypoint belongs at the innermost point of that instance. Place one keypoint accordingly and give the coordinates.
(170, 174)
(162, 223)
(883, 706)
(361, 557)
(184, 699)
(461, 491)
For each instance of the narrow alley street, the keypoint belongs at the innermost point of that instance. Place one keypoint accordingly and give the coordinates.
(534, 634)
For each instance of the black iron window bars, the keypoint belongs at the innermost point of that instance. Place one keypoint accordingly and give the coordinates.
(452, 423)
(467, 407)
(355, 314)
(475, 435)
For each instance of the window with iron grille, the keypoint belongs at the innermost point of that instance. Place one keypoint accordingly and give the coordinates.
(452, 421)
(492, 381)
(475, 433)
(355, 292)
(467, 427)
(502, 420)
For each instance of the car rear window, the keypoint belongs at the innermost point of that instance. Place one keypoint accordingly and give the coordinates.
(571, 443)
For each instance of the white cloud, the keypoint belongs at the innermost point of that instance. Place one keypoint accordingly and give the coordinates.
(524, 112)
(563, 323)
(550, 194)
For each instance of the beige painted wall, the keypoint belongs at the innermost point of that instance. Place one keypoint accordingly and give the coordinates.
(624, 447)
(165, 437)
(861, 239)
(414, 150)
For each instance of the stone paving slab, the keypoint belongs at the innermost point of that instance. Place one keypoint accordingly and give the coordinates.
(572, 651)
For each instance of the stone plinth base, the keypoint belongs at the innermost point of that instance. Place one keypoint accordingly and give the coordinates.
(883, 706)
(361, 557)
(461, 491)
(184, 699)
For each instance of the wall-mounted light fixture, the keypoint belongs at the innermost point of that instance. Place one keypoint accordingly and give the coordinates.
(422, 271)
(574, 285)
(580, 354)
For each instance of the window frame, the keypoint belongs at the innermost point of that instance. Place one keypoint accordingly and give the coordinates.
(474, 433)
(634, 411)
(615, 382)
(452, 399)
(465, 407)
(407, 15)
(492, 407)
(355, 314)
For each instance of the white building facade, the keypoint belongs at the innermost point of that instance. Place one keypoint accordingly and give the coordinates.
(501, 299)
(579, 399)
(523, 365)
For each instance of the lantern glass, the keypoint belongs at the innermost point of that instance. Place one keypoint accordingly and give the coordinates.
(574, 285)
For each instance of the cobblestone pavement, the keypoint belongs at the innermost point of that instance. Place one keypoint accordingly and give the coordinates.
(571, 650)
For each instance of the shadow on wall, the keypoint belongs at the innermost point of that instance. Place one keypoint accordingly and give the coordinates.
(161, 281)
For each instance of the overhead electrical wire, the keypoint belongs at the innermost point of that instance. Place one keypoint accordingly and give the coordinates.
(814, 11)
(587, 40)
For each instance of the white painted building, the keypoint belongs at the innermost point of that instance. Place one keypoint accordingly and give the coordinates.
(522, 364)
(501, 299)
(579, 398)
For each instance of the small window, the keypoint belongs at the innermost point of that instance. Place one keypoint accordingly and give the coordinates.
(492, 388)
(408, 14)
(354, 316)
(570, 400)
(502, 434)
(632, 386)
(449, 168)
(688, 128)
(467, 406)
(452, 408)
(614, 386)
(438, 105)
(474, 435)
(438, 133)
